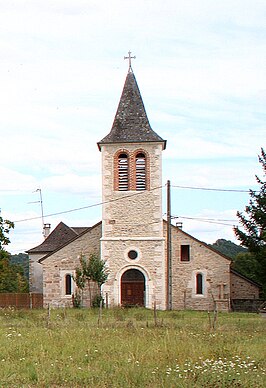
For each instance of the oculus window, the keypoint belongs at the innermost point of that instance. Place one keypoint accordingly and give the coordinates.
(132, 254)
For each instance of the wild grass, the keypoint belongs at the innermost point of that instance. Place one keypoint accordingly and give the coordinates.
(128, 348)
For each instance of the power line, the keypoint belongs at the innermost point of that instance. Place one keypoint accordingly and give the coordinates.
(88, 206)
(22, 233)
(207, 220)
(211, 189)
(128, 196)
(24, 250)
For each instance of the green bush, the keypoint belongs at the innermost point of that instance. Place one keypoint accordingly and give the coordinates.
(97, 301)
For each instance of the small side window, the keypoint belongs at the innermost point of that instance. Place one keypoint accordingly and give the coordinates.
(68, 284)
(199, 284)
(185, 253)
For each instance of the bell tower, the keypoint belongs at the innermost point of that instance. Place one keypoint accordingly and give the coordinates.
(132, 241)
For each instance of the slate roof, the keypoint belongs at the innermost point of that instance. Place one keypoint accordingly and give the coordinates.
(131, 124)
(82, 231)
(57, 238)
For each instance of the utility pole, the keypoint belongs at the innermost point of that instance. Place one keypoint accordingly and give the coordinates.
(45, 227)
(169, 247)
(40, 192)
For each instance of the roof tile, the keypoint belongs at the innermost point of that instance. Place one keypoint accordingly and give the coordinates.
(131, 123)
(57, 238)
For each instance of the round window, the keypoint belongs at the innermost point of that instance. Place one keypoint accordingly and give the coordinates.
(132, 255)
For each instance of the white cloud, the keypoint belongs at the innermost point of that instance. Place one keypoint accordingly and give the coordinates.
(210, 225)
(13, 181)
(91, 185)
(192, 144)
(201, 70)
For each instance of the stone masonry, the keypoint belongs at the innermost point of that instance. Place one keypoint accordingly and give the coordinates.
(215, 270)
(243, 288)
(63, 262)
(132, 221)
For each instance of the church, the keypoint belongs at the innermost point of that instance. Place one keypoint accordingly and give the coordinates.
(149, 260)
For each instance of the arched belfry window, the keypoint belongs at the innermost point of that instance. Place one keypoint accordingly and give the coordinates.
(140, 171)
(123, 181)
(199, 284)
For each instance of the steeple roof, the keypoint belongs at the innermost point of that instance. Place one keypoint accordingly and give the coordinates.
(131, 124)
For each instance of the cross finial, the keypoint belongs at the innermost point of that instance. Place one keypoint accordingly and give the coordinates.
(129, 60)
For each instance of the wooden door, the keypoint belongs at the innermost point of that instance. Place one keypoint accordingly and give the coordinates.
(132, 288)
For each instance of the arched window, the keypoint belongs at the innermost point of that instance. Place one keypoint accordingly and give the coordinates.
(68, 284)
(199, 284)
(140, 171)
(123, 172)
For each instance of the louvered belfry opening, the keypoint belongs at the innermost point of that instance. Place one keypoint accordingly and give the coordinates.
(123, 172)
(140, 172)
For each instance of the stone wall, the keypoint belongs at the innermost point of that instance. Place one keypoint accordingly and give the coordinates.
(215, 271)
(150, 262)
(242, 288)
(35, 272)
(132, 220)
(132, 213)
(63, 262)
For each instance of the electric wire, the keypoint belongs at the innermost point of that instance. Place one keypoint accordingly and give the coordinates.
(212, 189)
(135, 194)
(128, 196)
(214, 221)
(88, 206)
(206, 220)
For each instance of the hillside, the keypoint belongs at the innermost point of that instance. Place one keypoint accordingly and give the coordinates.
(21, 259)
(228, 248)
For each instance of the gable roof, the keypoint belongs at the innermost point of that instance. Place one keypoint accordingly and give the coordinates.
(235, 272)
(85, 230)
(58, 237)
(131, 124)
(199, 241)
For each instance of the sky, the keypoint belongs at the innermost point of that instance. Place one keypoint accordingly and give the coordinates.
(200, 67)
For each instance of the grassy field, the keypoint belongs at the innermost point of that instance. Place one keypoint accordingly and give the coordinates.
(128, 348)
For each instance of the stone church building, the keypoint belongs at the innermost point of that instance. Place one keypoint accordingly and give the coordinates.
(133, 238)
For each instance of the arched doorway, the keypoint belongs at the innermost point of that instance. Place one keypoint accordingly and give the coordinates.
(132, 288)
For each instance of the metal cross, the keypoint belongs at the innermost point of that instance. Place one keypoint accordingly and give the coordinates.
(129, 59)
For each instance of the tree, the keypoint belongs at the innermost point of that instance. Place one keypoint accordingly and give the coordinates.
(12, 277)
(5, 226)
(247, 265)
(21, 259)
(254, 223)
(92, 269)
